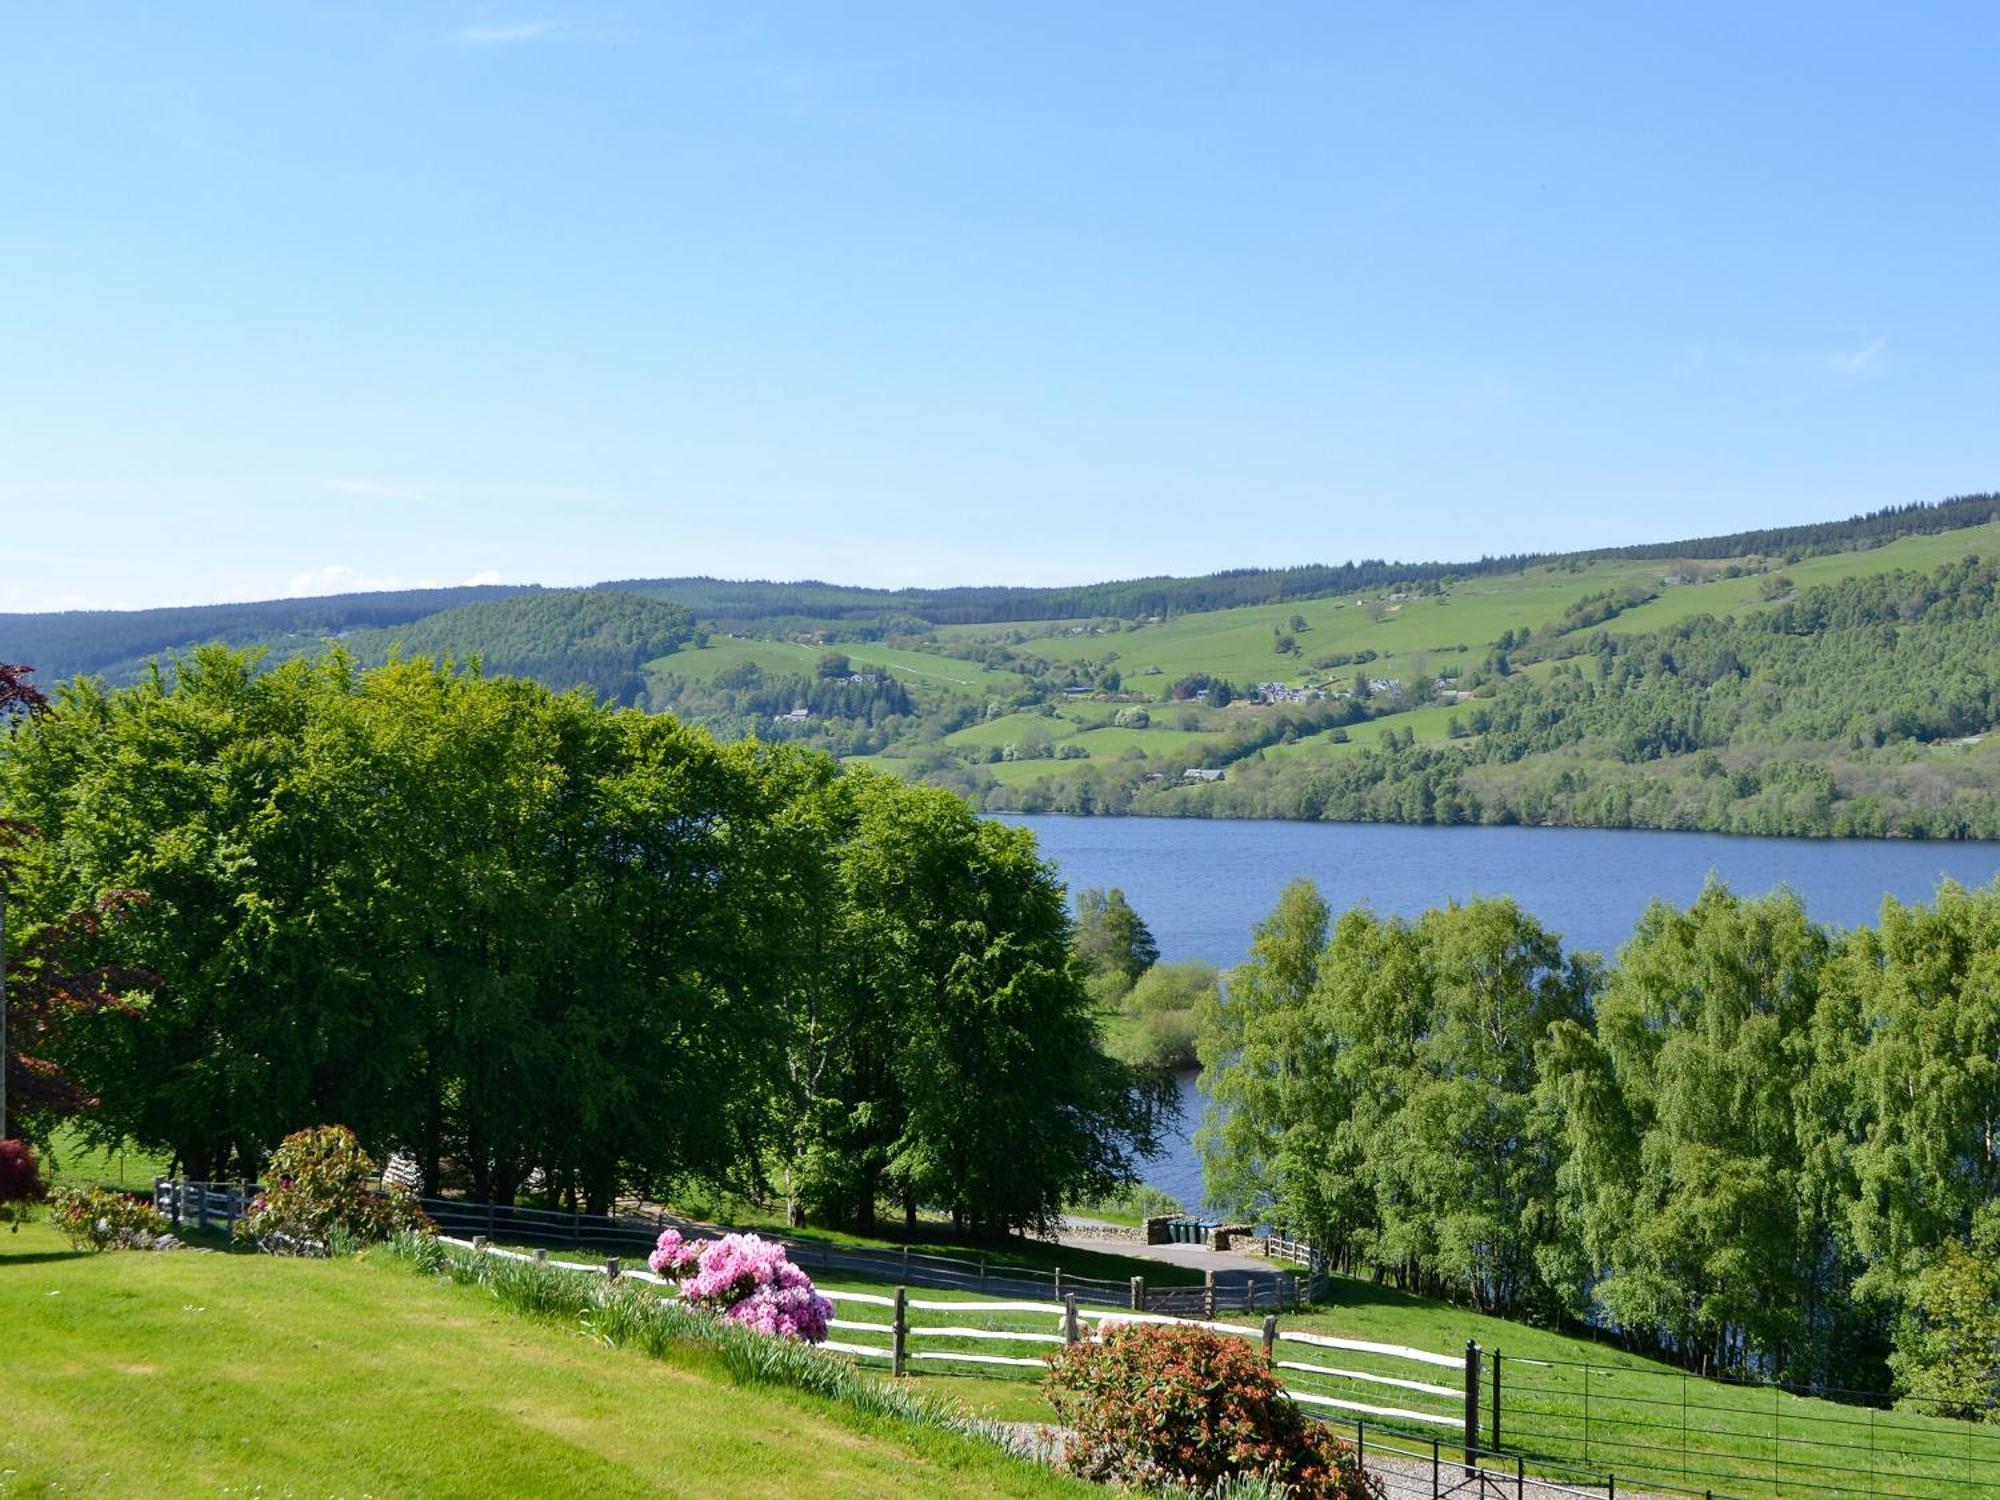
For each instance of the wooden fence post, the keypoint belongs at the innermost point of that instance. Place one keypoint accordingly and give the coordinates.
(1070, 1333)
(611, 1269)
(1059, 1290)
(982, 1273)
(1471, 1405)
(541, 1257)
(1138, 1294)
(201, 1206)
(174, 1202)
(1208, 1295)
(899, 1336)
(159, 1191)
(906, 1260)
(479, 1244)
(1270, 1339)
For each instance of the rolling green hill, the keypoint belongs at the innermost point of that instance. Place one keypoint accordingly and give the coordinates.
(1505, 689)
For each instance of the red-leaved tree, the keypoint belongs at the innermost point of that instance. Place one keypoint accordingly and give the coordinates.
(50, 976)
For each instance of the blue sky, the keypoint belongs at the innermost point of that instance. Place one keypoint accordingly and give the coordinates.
(300, 297)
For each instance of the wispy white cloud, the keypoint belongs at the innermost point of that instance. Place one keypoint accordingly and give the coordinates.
(519, 33)
(339, 578)
(1857, 362)
(369, 489)
(1798, 363)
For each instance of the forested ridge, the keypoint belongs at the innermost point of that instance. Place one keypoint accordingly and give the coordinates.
(563, 637)
(1753, 1146)
(118, 642)
(721, 600)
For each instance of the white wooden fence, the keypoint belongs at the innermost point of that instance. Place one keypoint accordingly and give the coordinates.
(902, 1341)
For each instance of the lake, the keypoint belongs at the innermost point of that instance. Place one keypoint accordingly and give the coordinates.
(1201, 884)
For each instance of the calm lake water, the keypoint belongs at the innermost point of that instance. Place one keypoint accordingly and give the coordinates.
(1202, 884)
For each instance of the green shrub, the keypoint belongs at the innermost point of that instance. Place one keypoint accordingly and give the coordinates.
(1162, 1407)
(321, 1198)
(103, 1219)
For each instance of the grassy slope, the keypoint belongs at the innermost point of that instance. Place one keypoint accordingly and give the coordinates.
(1635, 1405)
(147, 1375)
(1419, 634)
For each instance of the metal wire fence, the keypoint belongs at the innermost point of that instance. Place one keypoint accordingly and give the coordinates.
(1736, 1438)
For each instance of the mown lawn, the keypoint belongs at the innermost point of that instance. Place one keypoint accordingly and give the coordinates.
(138, 1374)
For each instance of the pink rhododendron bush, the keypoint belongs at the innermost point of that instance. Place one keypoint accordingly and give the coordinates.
(744, 1279)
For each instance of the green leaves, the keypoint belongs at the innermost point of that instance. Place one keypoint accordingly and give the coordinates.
(527, 939)
(1753, 1143)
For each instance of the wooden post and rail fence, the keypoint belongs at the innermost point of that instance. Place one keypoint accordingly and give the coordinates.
(1553, 1414)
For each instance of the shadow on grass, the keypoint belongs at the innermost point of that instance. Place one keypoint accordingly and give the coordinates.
(39, 1257)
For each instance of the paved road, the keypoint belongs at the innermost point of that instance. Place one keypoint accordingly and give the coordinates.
(1231, 1269)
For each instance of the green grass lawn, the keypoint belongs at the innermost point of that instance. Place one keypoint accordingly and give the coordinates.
(136, 1374)
(69, 1160)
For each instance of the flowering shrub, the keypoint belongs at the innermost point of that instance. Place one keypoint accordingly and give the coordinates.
(101, 1219)
(21, 1185)
(749, 1280)
(322, 1197)
(1152, 1406)
(673, 1257)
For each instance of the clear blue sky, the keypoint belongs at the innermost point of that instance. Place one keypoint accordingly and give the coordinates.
(294, 296)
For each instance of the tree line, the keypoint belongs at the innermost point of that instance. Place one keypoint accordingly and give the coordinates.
(1138, 598)
(546, 947)
(1754, 1145)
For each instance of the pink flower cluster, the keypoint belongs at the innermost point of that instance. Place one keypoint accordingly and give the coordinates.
(673, 1255)
(746, 1279)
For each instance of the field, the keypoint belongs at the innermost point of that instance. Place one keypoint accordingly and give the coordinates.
(144, 1375)
(1583, 1404)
